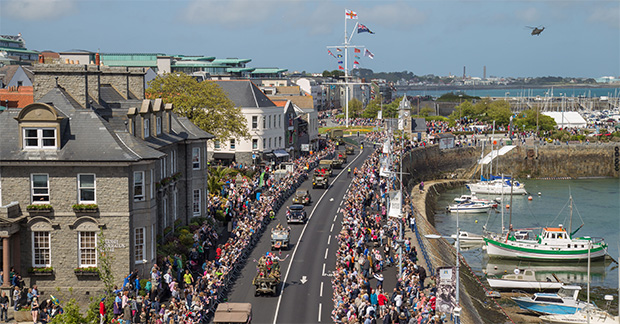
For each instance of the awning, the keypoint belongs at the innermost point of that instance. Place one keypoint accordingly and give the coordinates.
(223, 156)
(280, 153)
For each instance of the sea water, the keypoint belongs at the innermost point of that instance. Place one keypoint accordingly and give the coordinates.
(517, 92)
(596, 205)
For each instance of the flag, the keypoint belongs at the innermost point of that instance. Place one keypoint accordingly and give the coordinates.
(339, 55)
(357, 50)
(339, 50)
(350, 14)
(357, 57)
(354, 66)
(340, 62)
(363, 29)
(356, 62)
(330, 53)
(367, 53)
(340, 67)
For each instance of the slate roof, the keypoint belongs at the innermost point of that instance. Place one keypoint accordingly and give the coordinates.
(245, 94)
(98, 134)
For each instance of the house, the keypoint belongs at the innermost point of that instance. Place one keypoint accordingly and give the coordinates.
(265, 124)
(89, 167)
(15, 49)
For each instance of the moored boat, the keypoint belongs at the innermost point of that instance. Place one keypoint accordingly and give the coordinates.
(587, 315)
(565, 301)
(468, 237)
(470, 207)
(498, 185)
(524, 280)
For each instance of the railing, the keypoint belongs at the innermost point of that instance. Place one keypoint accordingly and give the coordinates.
(427, 258)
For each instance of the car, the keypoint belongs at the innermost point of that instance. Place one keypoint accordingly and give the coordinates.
(302, 196)
(296, 214)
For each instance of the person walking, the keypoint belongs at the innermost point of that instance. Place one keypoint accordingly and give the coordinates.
(101, 311)
(4, 307)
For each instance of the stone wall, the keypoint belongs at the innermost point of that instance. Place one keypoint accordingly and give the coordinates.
(136, 82)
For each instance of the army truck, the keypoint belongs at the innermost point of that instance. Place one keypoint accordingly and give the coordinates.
(342, 156)
(337, 136)
(326, 167)
(320, 179)
(280, 237)
(350, 150)
(267, 278)
(228, 313)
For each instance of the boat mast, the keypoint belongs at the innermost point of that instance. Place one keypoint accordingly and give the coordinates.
(510, 219)
(570, 220)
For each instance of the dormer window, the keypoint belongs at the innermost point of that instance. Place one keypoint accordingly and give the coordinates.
(39, 138)
(147, 127)
(158, 125)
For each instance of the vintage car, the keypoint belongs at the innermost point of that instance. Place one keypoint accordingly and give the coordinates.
(233, 313)
(320, 179)
(296, 214)
(302, 196)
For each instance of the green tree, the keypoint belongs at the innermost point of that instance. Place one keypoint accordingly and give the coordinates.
(355, 108)
(71, 315)
(215, 177)
(426, 111)
(529, 119)
(499, 111)
(372, 108)
(204, 103)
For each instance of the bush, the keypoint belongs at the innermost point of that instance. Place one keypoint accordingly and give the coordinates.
(186, 239)
(219, 215)
(143, 283)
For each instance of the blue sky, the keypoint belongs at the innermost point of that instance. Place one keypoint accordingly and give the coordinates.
(581, 39)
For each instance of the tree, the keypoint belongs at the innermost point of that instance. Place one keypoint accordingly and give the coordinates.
(426, 111)
(355, 108)
(204, 103)
(215, 177)
(71, 314)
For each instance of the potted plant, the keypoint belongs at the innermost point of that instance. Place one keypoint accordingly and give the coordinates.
(41, 271)
(42, 208)
(86, 271)
(85, 208)
(177, 176)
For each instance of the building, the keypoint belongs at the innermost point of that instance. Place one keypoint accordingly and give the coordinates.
(90, 167)
(15, 49)
(265, 122)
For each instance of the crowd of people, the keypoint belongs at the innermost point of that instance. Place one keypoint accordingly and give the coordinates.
(188, 292)
(367, 245)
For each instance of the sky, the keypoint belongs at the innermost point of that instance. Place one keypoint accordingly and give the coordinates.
(440, 37)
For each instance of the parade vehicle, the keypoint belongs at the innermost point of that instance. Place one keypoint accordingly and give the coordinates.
(320, 179)
(350, 150)
(337, 136)
(280, 237)
(342, 156)
(267, 278)
(302, 196)
(326, 166)
(229, 313)
(296, 214)
(536, 30)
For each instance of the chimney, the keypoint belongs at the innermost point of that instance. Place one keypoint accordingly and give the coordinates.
(67, 61)
(97, 59)
(41, 58)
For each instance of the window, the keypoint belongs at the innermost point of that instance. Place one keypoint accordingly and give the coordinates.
(217, 145)
(255, 144)
(264, 143)
(270, 142)
(153, 242)
(254, 122)
(162, 165)
(158, 125)
(88, 249)
(138, 241)
(175, 193)
(280, 141)
(164, 211)
(147, 126)
(196, 158)
(40, 189)
(40, 138)
(232, 143)
(134, 130)
(196, 205)
(86, 188)
(269, 121)
(264, 122)
(41, 249)
(173, 162)
(138, 185)
(279, 121)
(152, 183)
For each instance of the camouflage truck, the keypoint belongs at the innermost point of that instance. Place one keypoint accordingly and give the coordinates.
(337, 136)
(233, 313)
(267, 277)
(320, 179)
(350, 150)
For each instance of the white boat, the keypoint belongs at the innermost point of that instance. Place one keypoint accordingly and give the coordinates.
(468, 237)
(498, 186)
(596, 316)
(573, 272)
(565, 301)
(474, 198)
(524, 280)
(470, 207)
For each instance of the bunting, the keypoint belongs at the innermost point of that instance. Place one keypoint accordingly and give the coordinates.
(330, 53)
(350, 14)
(369, 54)
(357, 50)
(339, 50)
(363, 29)
(340, 67)
(340, 62)
(339, 55)
(356, 62)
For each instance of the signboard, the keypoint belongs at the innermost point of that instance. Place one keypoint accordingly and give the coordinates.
(446, 289)
(386, 147)
(384, 170)
(253, 156)
(395, 203)
(305, 147)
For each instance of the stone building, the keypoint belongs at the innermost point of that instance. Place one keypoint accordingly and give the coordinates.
(92, 166)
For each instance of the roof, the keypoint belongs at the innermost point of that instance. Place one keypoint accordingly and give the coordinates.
(291, 90)
(22, 97)
(566, 119)
(554, 229)
(239, 69)
(231, 61)
(303, 102)
(279, 102)
(268, 71)
(245, 94)
(18, 50)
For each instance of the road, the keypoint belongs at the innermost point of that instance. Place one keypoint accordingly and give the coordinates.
(306, 294)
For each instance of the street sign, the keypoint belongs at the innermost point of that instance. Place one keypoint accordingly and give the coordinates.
(305, 147)
(253, 156)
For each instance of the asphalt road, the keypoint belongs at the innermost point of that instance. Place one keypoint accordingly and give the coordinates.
(306, 293)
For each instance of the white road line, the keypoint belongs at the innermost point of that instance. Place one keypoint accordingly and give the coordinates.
(319, 312)
(321, 291)
(342, 200)
(323, 273)
(275, 317)
(329, 239)
(335, 217)
(331, 229)
(326, 251)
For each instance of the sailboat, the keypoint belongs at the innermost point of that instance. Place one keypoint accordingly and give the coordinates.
(553, 244)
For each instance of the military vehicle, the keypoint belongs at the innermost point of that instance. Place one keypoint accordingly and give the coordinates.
(337, 136)
(325, 166)
(302, 196)
(229, 313)
(320, 179)
(536, 30)
(342, 156)
(267, 277)
(350, 150)
(296, 214)
(280, 237)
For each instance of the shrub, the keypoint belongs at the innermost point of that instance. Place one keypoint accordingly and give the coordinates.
(186, 239)
(143, 283)
(39, 207)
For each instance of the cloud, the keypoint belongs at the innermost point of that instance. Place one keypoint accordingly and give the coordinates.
(38, 9)
(230, 13)
(607, 16)
(528, 15)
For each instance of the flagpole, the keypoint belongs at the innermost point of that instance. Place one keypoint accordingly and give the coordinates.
(346, 73)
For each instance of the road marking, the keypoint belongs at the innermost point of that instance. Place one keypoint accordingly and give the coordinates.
(323, 273)
(275, 317)
(335, 216)
(321, 291)
(342, 200)
(331, 229)
(326, 251)
(329, 239)
(319, 312)
(304, 279)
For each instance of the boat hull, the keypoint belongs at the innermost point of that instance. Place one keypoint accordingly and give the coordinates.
(497, 283)
(546, 308)
(581, 317)
(491, 188)
(532, 251)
